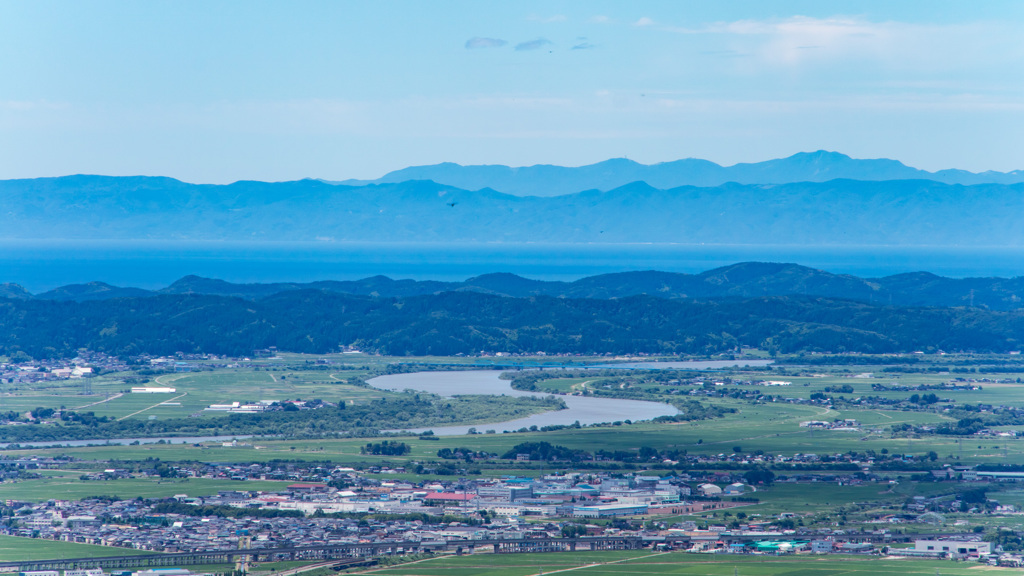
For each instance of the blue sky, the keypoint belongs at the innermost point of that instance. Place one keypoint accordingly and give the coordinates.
(223, 91)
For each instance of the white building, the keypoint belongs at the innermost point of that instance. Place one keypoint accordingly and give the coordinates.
(954, 547)
(710, 490)
(608, 510)
(821, 546)
(735, 488)
(84, 572)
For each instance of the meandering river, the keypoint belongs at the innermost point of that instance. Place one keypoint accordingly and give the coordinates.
(585, 409)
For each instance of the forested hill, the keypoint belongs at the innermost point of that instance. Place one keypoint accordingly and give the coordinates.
(836, 212)
(743, 280)
(466, 322)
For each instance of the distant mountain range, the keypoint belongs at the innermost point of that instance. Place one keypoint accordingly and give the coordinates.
(547, 180)
(744, 280)
(836, 212)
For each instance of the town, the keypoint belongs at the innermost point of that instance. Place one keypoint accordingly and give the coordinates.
(829, 461)
(307, 514)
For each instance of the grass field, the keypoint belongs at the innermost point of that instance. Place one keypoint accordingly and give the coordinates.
(195, 391)
(13, 548)
(288, 376)
(675, 563)
(773, 428)
(609, 563)
(990, 393)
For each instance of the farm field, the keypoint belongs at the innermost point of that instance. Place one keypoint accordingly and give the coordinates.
(676, 563)
(990, 392)
(194, 391)
(772, 428)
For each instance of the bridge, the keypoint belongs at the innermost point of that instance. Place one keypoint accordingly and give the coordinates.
(361, 551)
(347, 551)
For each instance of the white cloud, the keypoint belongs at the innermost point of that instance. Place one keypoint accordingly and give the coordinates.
(599, 19)
(548, 19)
(532, 44)
(478, 42)
(842, 105)
(507, 103)
(796, 39)
(644, 21)
(899, 45)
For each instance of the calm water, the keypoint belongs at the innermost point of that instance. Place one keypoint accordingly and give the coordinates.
(42, 265)
(586, 409)
(685, 365)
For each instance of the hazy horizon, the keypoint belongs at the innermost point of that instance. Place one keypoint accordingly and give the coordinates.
(516, 167)
(261, 91)
(39, 266)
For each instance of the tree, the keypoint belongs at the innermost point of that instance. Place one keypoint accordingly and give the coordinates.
(759, 475)
(647, 453)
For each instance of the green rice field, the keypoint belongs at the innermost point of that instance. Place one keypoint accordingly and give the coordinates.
(649, 563)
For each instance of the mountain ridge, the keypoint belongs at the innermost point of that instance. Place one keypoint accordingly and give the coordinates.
(552, 180)
(843, 212)
(740, 280)
(314, 321)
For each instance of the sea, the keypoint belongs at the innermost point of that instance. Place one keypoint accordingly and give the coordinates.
(40, 265)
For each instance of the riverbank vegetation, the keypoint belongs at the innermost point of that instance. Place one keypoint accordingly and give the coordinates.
(394, 411)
